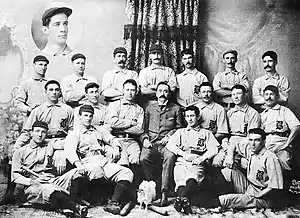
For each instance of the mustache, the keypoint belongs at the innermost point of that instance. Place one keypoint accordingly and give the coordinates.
(267, 67)
(162, 96)
(268, 99)
(121, 62)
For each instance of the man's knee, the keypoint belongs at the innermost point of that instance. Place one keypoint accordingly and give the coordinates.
(145, 155)
(125, 174)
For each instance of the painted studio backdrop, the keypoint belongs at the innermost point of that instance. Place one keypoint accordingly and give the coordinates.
(96, 27)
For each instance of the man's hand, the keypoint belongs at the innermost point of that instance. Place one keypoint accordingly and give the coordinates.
(229, 162)
(164, 140)
(199, 160)
(116, 154)
(147, 143)
(190, 157)
(40, 180)
(59, 161)
(80, 167)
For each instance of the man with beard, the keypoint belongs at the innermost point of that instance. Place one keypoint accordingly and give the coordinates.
(112, 82)
(31, 92)
(55, 27)
(73, 85)
(272, 77)
(162, 119)
(59, 118)
(281, 126)
(224, 81)
(189, 80)
(193, 146)
(100, 110)
(241, 118)
(150, 76)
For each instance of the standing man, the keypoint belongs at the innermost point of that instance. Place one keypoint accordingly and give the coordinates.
(84, 149)
(112, 82)
(281, 126)
(100, 110)
(59, 118)
(241, 119)
(42, 187)
(162, 119)
(150, 76)
(55, 26)
(193, 146)
(189, 80)
(271, 77)
(73, 85)
(224, 81)
(31, 92)
(126, 119)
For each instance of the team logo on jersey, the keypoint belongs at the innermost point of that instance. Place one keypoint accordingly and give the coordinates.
(212, 125)
(245, 127)
(201, 145)
(63, 123)
(259, 175)
(279, 124)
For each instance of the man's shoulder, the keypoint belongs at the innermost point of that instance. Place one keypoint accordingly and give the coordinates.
(174, 106)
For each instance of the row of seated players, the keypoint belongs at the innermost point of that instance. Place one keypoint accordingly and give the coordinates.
(125, 138)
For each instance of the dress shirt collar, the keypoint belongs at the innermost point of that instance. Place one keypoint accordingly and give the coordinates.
(126, 102)
(276, 107)
(48, 50)
(124, 71)
(202, 105)
(228, 70)
(34, 145)
(274, 76)
(193, 72)
(48, 104)
(157, 67)
(39, 79)
(261, 153)
(84, 130)
(78, 78)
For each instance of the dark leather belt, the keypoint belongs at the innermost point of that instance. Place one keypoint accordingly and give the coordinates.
(281, 134)
(124, 135)
(59, 135)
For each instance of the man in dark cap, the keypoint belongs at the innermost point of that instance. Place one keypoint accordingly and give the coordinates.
(150, 76)
(224, 81)
(31, 93)
(55, 26)
(84, 148)
(31, 171)
(73, 85)
(112, 82)
(271, 77)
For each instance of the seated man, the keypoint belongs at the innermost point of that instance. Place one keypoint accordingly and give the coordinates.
(193, 147)
(126, 120)
(162, 119)
(84, 149)
(92, 95)
(281, 126)
(29, 169)
(264, 182)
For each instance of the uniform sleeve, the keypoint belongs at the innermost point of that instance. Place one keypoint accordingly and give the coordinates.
(68, 93)
(70, 119)
(17, 177)
(291, 119)
(142, 80)
(106, 136)
(254, 121)
(114, 120)
(174, 142)
(201, 78)
(76, 117)
(244, 81)
(212, 146)
(284, 89)
(256, 92)
(172, 80)
(217, 82)
(106, 81)
(222, 122)
(71, 144)
(274, 172)
(21, 98)
(137, 129)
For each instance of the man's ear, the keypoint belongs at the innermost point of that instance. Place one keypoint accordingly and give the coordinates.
(45, 30)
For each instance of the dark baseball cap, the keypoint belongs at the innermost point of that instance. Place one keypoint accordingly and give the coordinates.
(76, 56)
(156, 48)
(231, 51)
(53, 11)
(120, 50)
(40, 58)
(91, 85)
(86, 108)
(41, 124)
